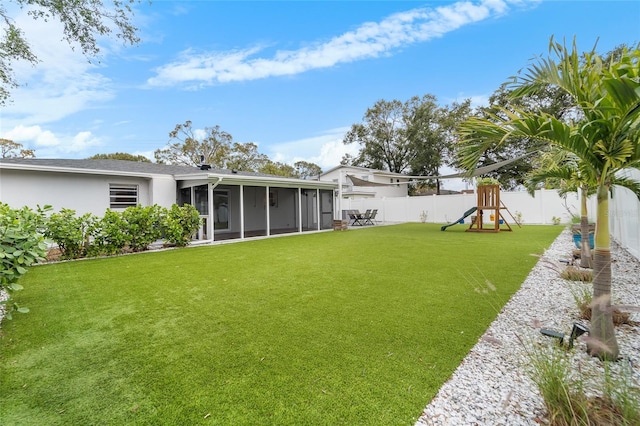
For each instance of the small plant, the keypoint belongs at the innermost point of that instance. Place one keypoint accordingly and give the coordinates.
(518, 216)
(566, 401)
(487, 181)
(584, 301)
(572, 273)
(583, 297)
(423, 216)
(556, 220)
(563, 395)
(621, 393)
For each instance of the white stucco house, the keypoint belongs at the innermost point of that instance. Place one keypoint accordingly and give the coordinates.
(361, 182)
(232, 204)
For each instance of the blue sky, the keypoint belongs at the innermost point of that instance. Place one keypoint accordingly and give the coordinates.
(289, 76)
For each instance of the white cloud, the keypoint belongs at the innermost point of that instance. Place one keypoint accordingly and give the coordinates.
(47, 144)
(32, 136)
(325, 150)
(370, 40)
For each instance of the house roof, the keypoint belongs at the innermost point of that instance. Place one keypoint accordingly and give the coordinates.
(124, 166)
(148, 170)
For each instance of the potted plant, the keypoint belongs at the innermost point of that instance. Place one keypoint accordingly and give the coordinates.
(577, 234)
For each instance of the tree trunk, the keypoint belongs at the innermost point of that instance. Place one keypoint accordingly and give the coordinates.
(603, 344)
(585, 249)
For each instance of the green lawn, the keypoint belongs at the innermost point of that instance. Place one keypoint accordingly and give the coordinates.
(356, 327)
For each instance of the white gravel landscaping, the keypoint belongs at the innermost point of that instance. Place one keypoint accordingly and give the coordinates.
(492, 387)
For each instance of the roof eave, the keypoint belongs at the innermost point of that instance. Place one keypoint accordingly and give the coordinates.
(31, 167)
(257, 180)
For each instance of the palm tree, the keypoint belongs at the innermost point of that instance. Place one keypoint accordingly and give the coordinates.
(562, 170)
(604, 134)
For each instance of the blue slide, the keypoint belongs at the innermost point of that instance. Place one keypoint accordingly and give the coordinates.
(467, 213)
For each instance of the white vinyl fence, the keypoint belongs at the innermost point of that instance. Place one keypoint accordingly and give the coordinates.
(538, 209)
(624, 217)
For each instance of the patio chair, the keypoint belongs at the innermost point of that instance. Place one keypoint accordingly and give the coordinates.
(369, 219)
(355, 217)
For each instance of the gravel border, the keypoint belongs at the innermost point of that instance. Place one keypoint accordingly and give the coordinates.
(491, 385)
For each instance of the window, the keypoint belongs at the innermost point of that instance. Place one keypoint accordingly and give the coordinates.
(122, 195)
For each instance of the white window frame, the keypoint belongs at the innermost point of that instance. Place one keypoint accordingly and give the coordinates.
(123, 195)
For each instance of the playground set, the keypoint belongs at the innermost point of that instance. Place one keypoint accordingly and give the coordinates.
(488, 200)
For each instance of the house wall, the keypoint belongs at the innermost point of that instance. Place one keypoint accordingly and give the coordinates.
(84, 193)
(365, 174)
(378, 191)
(163, 191)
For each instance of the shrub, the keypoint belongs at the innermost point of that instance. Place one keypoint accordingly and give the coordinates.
(180, 224)
(21, 245)
(108, 236)
(143, 226)
(70, 232)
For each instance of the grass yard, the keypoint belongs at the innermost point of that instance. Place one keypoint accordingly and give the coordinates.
(357, 327)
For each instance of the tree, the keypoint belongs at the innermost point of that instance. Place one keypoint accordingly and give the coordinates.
(83, 22)
(432, 131)
(120, 156)
(549, 99)
(306, 170)
(604, 135)
(245, 157)
(564, 171)
(210, 146)
(385, 134)
(277, 168)
(415, 136)
(11, 149)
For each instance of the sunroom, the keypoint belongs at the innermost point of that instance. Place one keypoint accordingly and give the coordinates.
(239, 206)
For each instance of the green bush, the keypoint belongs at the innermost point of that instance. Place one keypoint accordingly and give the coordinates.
(21, 245)
(70, 232)
(143, 226)
(134, 229)
(180, 224)
(107, 236)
